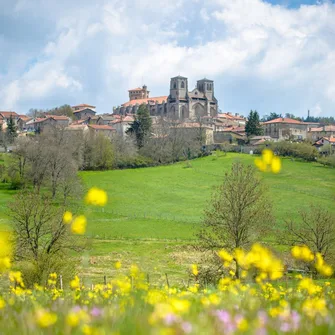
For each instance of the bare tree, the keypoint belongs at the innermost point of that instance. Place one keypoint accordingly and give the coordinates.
(315, 229)
(42, 240)
(239, 212)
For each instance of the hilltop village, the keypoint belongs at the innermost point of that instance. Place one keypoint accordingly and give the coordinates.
(192, 111)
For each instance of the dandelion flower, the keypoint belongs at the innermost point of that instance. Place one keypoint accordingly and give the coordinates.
(79, 225)
(96, 197)
(45, 319)
(67, 217)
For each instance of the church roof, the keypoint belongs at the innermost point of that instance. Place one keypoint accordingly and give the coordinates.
(152, 100)
(205, 79)
(179, 77)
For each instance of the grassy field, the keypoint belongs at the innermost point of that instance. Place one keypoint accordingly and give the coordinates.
(153, 213)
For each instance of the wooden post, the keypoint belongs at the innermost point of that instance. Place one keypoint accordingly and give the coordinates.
(105, 280)
(92, 286)
(132, 282)
(167, 280)
(61, 281)
(148, 279)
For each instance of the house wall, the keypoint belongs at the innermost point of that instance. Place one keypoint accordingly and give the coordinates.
(285, 130)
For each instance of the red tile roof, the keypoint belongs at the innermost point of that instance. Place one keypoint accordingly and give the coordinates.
(101, 127)
(326, 128)
(83, 105)
(230, 116)
(8, 114)
(284, 120)
(82, 109)
(145, 101)
(58, 117)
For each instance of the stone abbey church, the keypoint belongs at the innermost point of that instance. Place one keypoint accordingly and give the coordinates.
(180, 104)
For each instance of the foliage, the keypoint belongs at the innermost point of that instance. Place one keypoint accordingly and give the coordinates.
(98, 152)
(327, 160)
(272, 116)
(11, 131)
(41, 238)
(62, 110)
(141, 127)
(315, 229)
(130, 304)
(293, 149)
(239, 212)
(253, 126)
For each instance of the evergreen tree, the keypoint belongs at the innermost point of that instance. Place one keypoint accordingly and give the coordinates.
(253, 126)
(141, 127)
(11, 130)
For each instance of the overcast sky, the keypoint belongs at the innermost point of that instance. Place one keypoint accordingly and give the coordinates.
(273, 56)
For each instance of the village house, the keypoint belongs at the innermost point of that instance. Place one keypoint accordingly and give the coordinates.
(196, 131)
(83, 111)
(22, 122)
(229, 134)
(122, 125)
(180, 104)
(227, 119)
(102, 129)
(325, 145)
(39, 124)
(318, 132)
(5, 116)
(285, 128)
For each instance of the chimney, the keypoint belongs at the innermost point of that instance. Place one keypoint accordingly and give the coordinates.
(236, 114)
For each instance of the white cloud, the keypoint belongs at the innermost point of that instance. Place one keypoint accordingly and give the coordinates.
(94, 46)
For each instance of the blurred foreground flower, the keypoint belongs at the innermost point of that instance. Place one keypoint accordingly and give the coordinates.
(45, 319)
(268, 162)
(67, 217)
(96, 197)
(5, 250)
(79, 225)
(75, 283)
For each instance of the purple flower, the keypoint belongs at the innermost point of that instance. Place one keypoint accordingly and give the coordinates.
(223, 316)
(285, 327)
(170, 319)
(186, 327)
(96, 311)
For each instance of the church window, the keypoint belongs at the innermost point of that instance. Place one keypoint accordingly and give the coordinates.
(182, 85)
(174, 85)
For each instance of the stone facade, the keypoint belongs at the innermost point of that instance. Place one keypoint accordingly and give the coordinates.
(285, 128)
(181, 103)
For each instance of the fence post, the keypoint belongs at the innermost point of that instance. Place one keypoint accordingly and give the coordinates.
(167, 280)
(105, 280)
(148, 278)
(61, 281)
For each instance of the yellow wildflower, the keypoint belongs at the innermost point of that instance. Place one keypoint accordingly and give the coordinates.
(268, 162)
(16, 278)
(79, 225)
(267, 156)
(2, 303)
(72, 319)
(5, 250)
(67, 217)
(302, 253)
(117, 265)
(276, 165)
(96, 196)
(45, 319)
(75, 283)
(195, 270)
(322, 267)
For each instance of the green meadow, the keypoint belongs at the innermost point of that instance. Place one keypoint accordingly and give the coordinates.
(153, 213)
